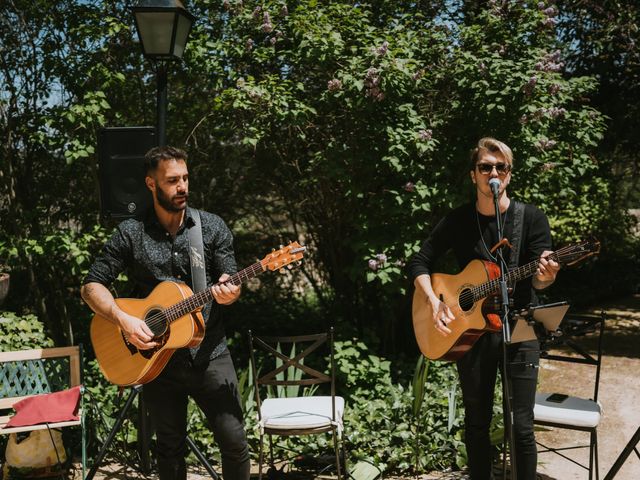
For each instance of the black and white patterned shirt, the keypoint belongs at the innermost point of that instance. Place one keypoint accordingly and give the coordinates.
(148, 254)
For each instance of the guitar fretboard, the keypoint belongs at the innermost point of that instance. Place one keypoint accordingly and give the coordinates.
(569, 254)
(200, 299)
(512, 276)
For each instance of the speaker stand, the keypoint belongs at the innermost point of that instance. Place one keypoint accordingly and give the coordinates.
(116, 428)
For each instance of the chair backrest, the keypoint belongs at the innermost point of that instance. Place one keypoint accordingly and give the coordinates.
(575, 326)
(284, 359)
(44, 370)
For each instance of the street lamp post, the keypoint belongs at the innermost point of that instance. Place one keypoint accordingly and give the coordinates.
(163, 28)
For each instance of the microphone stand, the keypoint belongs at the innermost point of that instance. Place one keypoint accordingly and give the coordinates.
(506, 340)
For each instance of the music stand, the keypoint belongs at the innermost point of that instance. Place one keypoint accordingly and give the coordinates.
(135, 390)
(530, 321)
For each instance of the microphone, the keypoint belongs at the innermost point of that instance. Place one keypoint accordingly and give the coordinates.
(494, 183)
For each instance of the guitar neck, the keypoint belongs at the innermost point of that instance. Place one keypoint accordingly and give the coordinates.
(512, 276)
(200, 299)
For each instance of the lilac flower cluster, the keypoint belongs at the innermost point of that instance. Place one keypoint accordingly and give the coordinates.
(382, 49)
(555, 112)
(550, 63)
(334, 85)
(545, 144)
(530, 85)
(409, 187)
(372, 83)
(425, 135)
(377, 262)
(266, 26)
(249, 45)
(549, 15)
(284, 11)
(553, 88)
(551, 112)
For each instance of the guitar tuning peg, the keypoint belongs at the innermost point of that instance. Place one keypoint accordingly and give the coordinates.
(288, 241)
(299, 262)
(273, 250)
(289, 267)
(281, 246)
(281, 270)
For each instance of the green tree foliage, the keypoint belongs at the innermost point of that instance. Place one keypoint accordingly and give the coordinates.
(601, 40)
(47, 121)
(355, 122)
(345, 125)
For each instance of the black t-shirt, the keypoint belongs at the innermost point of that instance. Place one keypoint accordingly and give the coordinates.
(471, 235)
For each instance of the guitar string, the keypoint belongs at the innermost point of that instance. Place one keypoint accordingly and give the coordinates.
(487, 288)
(194, 301)
(197, 299)
(191, 303)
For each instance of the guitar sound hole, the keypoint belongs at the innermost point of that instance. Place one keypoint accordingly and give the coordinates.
(157, 322)
(465, 300)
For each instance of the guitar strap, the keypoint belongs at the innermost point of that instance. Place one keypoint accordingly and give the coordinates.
(197, 261)
(516, 234)
(196, 253)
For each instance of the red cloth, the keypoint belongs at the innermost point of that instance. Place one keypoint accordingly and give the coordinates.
(47, 408)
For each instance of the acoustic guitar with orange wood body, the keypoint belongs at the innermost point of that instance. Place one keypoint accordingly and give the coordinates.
(173, 313)
(469, 296)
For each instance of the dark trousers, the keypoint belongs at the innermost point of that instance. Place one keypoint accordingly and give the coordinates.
(214, 388)
(477, 371)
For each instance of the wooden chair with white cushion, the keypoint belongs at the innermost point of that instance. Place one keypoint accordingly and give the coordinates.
(295, 413)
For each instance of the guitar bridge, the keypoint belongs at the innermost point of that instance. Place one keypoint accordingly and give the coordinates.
(148, 353)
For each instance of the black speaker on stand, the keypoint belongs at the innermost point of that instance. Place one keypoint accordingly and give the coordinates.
(121, 150)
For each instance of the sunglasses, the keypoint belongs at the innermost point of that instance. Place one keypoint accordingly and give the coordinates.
(487, 168)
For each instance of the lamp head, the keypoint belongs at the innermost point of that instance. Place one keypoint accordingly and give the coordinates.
(163, 27)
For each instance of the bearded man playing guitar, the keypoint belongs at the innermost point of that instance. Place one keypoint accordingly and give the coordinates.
(470, 232)
(156, 249)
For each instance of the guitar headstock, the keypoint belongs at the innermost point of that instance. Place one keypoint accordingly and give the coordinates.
(574, 253)
(283, 256)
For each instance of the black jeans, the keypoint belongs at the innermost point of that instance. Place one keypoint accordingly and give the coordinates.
(214, 388)
(477, 371)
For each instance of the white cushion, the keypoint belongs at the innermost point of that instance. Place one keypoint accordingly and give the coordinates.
(573, 411)
(300, 412)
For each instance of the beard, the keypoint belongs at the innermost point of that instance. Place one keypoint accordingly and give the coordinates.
(167, 202)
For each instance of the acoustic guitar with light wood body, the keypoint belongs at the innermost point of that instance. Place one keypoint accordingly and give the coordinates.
(174, 315)
(467, 295)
